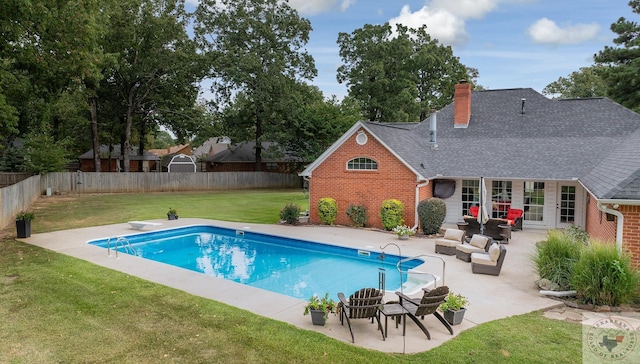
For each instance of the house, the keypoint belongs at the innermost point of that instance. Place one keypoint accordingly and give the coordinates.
(172, 149)
(241, 157)
(565, 162)
(211, 146)
(111, 160)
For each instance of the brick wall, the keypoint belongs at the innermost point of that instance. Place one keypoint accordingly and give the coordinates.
(631, 232)
(599, 228)
(367, 188)
(596, 223)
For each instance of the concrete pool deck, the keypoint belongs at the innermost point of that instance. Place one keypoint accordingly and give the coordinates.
(512, 293)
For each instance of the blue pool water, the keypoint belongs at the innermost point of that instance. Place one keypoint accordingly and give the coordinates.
(292, 267)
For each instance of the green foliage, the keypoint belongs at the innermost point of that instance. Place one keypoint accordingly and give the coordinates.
(256, 55)
(587, 82)
(25, 216)
(454, 302)
(324, 304)
(620, 62)
(398, 75)
(391, 213)
(556, 257)
(602, 277)
(431, 213)
(44, 155)
(290, 213)
(328, 210)
(357, 214)
(12, 160)
(578, 234)
(403, 230)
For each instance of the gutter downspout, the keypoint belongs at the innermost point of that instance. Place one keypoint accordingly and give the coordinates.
(417, 220)
(619, 223)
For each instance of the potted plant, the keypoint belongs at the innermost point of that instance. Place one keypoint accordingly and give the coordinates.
(454, 308)
(172, 214)
(319, 308)
(23, 224)
(403, 231)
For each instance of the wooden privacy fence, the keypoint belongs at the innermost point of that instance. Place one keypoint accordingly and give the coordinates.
(17, 197)
(21, 195)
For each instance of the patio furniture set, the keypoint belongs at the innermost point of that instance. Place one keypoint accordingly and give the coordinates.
(367, 303)
(485, 255)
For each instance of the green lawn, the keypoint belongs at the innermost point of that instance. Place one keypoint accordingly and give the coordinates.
(54, 308)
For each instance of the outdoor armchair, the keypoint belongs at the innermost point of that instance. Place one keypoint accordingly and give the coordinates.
(425, 306)
(363, 304)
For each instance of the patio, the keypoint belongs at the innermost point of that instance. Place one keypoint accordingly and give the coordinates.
(512, 293)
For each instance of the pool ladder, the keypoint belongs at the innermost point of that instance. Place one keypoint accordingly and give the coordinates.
(124, 243)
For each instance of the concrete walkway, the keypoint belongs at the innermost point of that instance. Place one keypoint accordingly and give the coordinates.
(512, 293)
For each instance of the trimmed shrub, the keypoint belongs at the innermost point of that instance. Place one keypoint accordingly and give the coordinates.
(290, 213)
(357, 214)
(601, 277)
(391, 213)
(328, 210)
(556, 257)
(431, 213)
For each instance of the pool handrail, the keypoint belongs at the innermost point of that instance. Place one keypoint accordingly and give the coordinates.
(414, 271)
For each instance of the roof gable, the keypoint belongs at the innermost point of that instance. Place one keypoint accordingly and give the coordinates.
(368, 127)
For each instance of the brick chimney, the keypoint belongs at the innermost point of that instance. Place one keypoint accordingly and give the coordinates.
(462, 104)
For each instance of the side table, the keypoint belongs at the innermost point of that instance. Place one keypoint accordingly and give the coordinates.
(396, 311)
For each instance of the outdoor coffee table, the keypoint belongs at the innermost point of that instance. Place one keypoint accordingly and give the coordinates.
(396, 311)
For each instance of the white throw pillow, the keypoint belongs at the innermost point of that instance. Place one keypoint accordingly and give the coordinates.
(453, 234)
(494, 251)
(479, 241)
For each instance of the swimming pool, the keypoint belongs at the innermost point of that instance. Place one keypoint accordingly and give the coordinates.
(292, 267)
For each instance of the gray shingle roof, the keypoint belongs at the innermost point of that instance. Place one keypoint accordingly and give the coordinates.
(595, 140)
(245, 152)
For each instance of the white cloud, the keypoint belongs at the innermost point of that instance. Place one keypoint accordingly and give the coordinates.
(441, 24)
(311, 7)
(466, 9)
(547, 31)
(346, 4)
(446, 19)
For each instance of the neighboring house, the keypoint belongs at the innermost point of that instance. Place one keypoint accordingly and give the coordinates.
(241, 157)
(111, 161)
(211, 146)
(565, 162)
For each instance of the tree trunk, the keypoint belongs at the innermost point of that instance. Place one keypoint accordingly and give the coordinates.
(258, 145)
(127, 135)
(93, 109)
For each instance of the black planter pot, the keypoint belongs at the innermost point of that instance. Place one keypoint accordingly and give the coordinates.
(454, 317)
(23, 228)
(172, 216)
(317, 317)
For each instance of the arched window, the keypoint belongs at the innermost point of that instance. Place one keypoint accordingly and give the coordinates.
(362, 164)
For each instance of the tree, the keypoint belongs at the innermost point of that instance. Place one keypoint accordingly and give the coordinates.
(256, 56)
(587, 82)
(620, 64)
(398, 75)
(313, 123)
(155, 77)
(49, 49)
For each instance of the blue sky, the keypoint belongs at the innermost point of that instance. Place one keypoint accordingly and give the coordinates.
(512, 43)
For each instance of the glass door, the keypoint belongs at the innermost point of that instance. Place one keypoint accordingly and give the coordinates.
(566, 205)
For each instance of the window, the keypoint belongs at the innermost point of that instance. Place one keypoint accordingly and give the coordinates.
(362, 164)
(470, 195)
(500, 198)
(533, 201)
(271, 166)
(568, 204)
